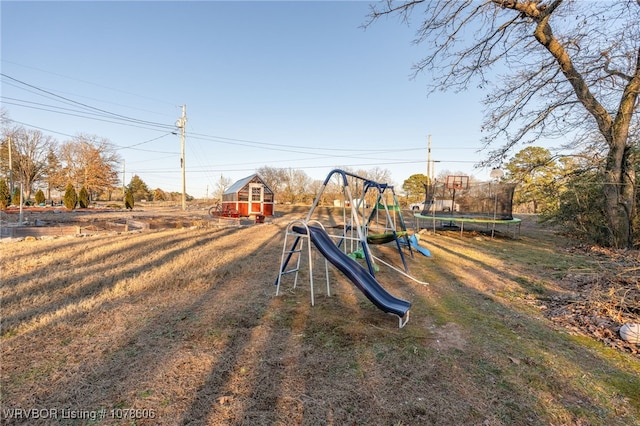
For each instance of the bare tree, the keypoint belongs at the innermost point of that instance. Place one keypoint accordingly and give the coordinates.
(568, 67)
(274, 177)
(376, 174)
(92, 162)
(314, 188)
(69, 168)
(295, 186)
(4, 116)
(53, 173)
(30, 148)
(221, 185)
(100, 163)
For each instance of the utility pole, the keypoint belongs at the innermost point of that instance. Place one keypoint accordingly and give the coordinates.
(123, 168)
(10, 169)
(21, 203)
(429, 169)
(180, 123)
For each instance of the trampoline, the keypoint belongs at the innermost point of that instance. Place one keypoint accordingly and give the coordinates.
(488, 203)
(488, 221)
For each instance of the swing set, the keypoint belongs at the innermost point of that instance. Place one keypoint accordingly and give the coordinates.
(372, 218)
(371, 215)
(362, 226)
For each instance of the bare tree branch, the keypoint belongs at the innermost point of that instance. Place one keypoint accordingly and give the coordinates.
(567, 67)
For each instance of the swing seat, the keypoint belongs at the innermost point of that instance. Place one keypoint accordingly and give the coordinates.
(383, 238)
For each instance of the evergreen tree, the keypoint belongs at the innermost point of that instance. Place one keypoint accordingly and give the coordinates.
(83, 198)
(54, 174)
(139, 189)
(581, 207)
(414, 186)
(537, 174)
(128, 199)
(5, 194)
(70, 197)
(15, 197)
(40, 198)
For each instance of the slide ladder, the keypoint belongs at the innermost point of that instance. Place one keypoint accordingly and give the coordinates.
(295, 252)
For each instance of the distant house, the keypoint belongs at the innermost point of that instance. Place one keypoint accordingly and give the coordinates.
(249, 196)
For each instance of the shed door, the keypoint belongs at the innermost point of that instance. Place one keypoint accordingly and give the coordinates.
(256, 197)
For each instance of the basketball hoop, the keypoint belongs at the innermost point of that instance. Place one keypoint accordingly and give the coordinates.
(457, 182)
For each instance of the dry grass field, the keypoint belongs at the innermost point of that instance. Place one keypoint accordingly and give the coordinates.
(180, 325)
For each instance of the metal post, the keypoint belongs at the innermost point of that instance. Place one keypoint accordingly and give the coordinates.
(10, 169)
(429, 170)
(21, 202)
(495, 212)
(182, 121)
(496, 174)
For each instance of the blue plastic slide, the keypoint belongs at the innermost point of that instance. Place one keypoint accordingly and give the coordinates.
(359, 276)
(413, 240)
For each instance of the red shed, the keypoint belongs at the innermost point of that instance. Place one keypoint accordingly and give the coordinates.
(249, 196)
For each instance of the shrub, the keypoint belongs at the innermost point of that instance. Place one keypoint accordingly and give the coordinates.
(15, 197)
(40, 198)
(70, 197)
(581, 210)
(159, 195)
(83, 198)
(128, 199)
(5, 194)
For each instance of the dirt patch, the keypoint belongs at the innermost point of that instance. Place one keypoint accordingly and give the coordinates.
(450, 336)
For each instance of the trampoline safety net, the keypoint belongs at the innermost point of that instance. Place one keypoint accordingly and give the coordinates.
(478, 200)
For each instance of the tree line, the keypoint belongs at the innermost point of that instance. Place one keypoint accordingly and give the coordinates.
(34, 161)
(564, 190)
(294, 186)
(84, 168)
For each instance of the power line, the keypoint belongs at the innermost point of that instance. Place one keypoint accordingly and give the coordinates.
(219, 139)
(117, 147)
(90, 112)
(150, 140)
(87, 117)
(89, 107)
(253, 144)
(98, 112)
(88, 82)
(40, 128)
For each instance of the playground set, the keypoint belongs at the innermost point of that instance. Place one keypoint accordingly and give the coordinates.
(372, 218)
(457, 201)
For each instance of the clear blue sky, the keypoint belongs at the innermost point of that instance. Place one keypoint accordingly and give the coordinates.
(280, 84)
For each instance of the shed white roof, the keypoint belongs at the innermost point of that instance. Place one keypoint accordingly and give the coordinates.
(238, 185)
